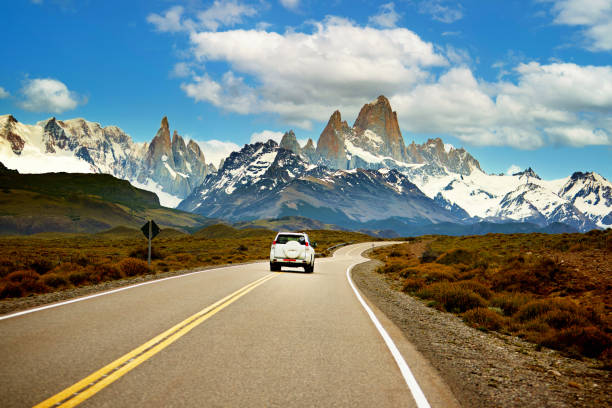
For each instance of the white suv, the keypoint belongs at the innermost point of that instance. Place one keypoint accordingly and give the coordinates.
(292, 249)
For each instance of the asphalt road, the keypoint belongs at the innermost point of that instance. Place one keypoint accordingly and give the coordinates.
(290, 339)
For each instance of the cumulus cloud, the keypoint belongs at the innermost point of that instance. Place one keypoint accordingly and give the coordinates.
(48, 95)
(594, 15)
(440, 11)
(386, 17)
(221, 13)
(306, 76)
(216, 150)
(266, 135)
(4, 93)
(290, 4)
(549, 104)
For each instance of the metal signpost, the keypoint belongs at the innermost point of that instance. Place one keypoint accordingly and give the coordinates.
(150, 231)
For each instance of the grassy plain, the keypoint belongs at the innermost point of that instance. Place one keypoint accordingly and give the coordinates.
(553, 290)
(49, 262)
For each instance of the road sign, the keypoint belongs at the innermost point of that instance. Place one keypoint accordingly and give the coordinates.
(150, 228)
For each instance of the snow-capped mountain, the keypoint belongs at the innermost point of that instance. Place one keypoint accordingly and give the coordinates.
(166, 166)
(266, 181)
(591, 194)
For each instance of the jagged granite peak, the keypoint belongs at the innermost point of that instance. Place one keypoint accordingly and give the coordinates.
(9, 133)
(289, 142)
(527, 173)
(309, 151)
(435, 151)
(378, 118)
(330, 146)
(160, 148)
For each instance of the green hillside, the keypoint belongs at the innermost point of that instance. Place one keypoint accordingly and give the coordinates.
(81, 203)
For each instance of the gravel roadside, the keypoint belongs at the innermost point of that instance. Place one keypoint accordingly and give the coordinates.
(486, 369)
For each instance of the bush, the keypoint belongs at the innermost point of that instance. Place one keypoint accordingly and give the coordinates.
(10, 290)
(105, 272)
(477, 287)
(41, 266)
(510, 303)
(485, 318)
(133, 267)
(429, 255)
(19, 276)
(78, 277)
(452, 296)
(413, 284)
(588, 341)
(537, 308)
(458, 256)
(54, 280)
(143, 253)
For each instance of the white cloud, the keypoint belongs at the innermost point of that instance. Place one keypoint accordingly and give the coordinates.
(170, 21)
(387, 16)
(266, 135)
(4, 93)
(221, 13)
(306, 76)
(562, 104)
(439, 11)
(290, 4)
(594, 15)
(48, 95)
(513, 169)
(216, 150)
(181, 70)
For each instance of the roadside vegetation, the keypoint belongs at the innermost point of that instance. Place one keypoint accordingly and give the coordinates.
(552, 290)
(50, 262)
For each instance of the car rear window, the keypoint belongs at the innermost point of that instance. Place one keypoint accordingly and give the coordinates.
(283, 239)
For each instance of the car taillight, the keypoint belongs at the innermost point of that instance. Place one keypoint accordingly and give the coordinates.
(306, 243)
(273, 242)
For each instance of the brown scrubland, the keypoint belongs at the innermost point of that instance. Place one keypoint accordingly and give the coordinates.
(552, 290)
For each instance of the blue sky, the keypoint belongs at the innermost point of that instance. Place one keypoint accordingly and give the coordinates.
(517, 83)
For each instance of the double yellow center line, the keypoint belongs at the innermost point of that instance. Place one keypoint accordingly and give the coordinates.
(102, 378)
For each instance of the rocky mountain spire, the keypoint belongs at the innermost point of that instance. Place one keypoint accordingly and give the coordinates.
(9, 133)
(289, 142)
(379, 118)
(160, 149)
(331, 142)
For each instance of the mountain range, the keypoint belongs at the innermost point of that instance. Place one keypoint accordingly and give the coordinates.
(359, 177)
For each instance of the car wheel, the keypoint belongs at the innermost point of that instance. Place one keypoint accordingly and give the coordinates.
(274, 267)
(309, 268)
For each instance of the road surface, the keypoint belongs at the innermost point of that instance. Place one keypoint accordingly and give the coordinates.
(235, 336)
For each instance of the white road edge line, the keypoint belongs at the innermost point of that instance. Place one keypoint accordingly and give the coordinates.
(416, 391)
(95, 295)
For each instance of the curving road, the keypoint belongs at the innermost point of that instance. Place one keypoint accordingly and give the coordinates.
(234, 336)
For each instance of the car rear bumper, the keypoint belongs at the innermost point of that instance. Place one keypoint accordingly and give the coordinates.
(288, 262)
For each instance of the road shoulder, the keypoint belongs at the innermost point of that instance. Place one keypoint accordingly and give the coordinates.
(485, 369)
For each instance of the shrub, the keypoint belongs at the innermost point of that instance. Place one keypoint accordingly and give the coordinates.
(133, 267)
(429, 255)
(54, 280)
(510, 303)
(143, 253)
(41, 266)
(588, 341)
(66, 268)
(19, 276)
(105, 272)
(482, 317)
(242, 248)
(458, 256)
(537, 308)
(477, 287)
(78, 277)
(452, 296)
(413, 284)
(10, 290)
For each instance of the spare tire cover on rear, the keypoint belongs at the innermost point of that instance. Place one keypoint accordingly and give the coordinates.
(293, 250)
